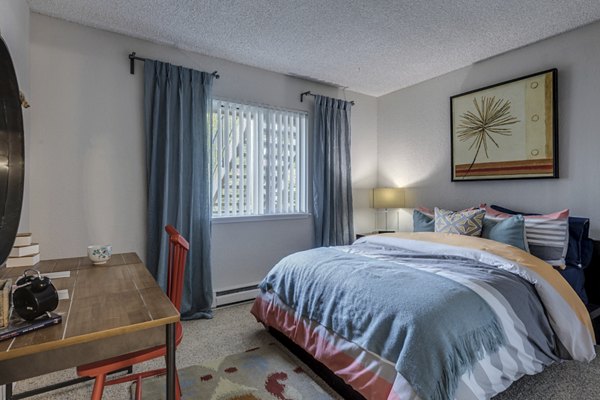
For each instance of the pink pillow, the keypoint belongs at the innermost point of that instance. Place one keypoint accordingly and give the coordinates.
(564, 214)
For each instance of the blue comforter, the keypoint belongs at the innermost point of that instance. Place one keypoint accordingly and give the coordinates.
(411, 317)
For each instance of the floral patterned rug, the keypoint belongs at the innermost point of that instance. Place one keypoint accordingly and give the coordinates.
(262, 373)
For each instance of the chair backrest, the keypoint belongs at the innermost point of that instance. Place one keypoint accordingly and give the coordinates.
(178, 249)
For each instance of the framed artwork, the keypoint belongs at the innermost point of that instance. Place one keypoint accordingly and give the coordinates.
(506, 131)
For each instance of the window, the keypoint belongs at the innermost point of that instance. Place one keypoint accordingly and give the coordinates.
(258, 160)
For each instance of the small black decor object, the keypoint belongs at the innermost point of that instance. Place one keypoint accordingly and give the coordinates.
(12, 153)
(34, 295)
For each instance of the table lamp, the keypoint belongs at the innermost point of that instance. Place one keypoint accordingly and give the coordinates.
(387, 198)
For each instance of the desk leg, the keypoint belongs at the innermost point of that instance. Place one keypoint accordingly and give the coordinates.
(171, 361)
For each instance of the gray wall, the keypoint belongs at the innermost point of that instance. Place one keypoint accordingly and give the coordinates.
(14, 28)
(88, 180)
(414, 132)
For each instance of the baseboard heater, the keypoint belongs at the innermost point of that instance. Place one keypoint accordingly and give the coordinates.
(236, 294)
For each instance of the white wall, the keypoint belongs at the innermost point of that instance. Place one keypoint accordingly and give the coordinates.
(414, 132)
(88, 182)
(14, 28)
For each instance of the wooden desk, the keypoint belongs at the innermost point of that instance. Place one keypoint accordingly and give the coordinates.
(112, 309)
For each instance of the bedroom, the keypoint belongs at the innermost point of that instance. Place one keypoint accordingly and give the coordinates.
(85, 147)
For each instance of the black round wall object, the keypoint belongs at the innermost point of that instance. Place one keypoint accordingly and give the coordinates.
(12, 153)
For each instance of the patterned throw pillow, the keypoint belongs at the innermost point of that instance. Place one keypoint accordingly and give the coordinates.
(430, 213)
(468, 223)
(547, 235)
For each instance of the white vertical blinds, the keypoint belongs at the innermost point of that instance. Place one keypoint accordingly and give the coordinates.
(258, 160)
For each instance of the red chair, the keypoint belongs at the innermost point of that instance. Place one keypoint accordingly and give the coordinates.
(178, 249)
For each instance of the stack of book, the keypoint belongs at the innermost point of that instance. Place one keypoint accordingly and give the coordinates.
(5, 289)
(24, 253)
(18, 326)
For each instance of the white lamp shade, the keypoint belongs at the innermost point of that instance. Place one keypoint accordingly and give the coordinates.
(388, 198)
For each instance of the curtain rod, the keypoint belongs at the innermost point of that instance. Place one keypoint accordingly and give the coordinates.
(308, 93)
(133, 57)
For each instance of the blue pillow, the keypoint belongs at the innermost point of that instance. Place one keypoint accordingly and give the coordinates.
(422, 222)
(510, 231)
(579, 251)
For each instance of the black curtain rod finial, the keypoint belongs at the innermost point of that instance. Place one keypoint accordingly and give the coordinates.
(132, 63)
(307, 93)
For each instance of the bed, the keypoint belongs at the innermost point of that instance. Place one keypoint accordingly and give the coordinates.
(426, 315)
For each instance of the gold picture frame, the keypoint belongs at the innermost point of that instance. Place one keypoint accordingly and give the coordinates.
(506, 131)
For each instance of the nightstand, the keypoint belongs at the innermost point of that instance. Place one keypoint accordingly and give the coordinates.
(359, 235)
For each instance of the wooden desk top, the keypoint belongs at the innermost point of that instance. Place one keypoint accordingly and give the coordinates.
(107, 300)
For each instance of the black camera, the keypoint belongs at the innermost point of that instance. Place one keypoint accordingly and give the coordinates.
(34, 295)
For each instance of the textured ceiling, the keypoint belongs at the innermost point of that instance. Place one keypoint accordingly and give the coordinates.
(373, 47)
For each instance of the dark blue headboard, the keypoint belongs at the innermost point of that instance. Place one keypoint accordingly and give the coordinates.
(592, 276)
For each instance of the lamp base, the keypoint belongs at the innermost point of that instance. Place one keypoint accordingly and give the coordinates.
(386, 219)
(384, 229)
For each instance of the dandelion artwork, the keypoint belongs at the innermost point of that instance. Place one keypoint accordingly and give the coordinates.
(492, 117)
(506, 131)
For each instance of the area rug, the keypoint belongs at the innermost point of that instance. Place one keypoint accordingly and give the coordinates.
(262, 373)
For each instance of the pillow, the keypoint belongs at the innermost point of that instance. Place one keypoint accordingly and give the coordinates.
(426, 211)
(581, 247)
(547, 235)
(579, 251)
(468, 223)
(422, 222)
(506, 230)
(575, 277)
(509, 211)
(430, 213)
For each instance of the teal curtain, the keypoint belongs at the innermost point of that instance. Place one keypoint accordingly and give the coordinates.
(331, 175)
(177, 111)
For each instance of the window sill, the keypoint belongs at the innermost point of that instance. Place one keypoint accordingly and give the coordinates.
(258, 218)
